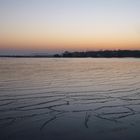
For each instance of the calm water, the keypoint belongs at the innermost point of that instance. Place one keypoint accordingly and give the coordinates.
(69, 99)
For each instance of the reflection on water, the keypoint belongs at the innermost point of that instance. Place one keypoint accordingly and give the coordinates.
(69, 99)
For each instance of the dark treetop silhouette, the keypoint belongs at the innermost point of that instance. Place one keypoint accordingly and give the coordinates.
(100, 54)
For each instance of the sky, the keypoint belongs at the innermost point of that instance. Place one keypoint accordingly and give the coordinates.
(59, 25)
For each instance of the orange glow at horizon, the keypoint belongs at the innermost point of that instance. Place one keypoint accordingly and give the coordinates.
(82, 42)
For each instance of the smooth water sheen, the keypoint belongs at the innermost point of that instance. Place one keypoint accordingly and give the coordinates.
(69, 99)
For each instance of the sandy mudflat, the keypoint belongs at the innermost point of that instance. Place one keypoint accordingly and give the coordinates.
(69, 99)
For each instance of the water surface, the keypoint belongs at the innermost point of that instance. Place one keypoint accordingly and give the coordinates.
(69, 99)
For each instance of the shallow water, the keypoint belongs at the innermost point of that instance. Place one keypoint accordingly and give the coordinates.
(69, 99)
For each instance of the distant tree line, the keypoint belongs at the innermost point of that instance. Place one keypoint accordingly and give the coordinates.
(102, 54)
(94, 54)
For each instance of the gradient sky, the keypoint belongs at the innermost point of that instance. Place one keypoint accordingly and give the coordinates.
(58, 25)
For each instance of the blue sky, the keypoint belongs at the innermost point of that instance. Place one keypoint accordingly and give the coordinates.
(61, 24)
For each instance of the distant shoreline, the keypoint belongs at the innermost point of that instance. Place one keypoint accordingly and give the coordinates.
(87, 54)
